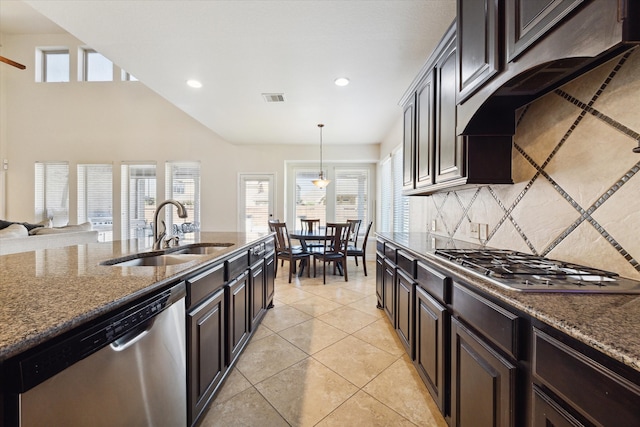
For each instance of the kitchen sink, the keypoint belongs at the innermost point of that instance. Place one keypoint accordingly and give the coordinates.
(153, 260)
(173, 256)
(202, 248)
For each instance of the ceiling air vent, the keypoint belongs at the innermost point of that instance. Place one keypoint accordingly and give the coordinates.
(273, 97)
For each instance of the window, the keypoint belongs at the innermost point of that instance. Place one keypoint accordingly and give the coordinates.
(256, 202)
(55, 65)
(394, 207)
(52, 192)
(95, 201)
(352, 195)
(96, 68)
(183, 185)
(138, 200)
(126, 77)
(346, 197)
(311, 201)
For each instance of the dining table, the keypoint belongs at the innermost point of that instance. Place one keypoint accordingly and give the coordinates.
(305, 236)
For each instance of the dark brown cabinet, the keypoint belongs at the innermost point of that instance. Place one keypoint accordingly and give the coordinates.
(425, 131)
(435, 156)
(431, 345)
(408, 146)
(380, 279)
(206, 342)
(527, 21)
(449, 147)
(482, 382)
(478, 44)
(595, 394)
(388, 294)
(269, 279)
(548, 413)
(257, 297)
(238, 315)
(405, 294)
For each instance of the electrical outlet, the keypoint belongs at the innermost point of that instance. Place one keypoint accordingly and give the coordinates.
(484, 231)
(474, 230)
(433, 225)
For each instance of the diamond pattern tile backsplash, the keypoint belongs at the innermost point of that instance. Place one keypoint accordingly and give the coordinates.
(576, 191)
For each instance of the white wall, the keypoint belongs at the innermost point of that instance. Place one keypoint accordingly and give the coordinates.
(83, 122)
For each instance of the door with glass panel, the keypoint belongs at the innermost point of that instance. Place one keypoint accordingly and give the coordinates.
(256, 202)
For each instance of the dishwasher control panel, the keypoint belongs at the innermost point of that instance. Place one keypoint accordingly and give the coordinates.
(34, 367)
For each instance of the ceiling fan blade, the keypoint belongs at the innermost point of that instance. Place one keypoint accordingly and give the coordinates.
(10, 62)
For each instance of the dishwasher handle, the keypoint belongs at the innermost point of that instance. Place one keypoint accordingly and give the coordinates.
(131, 337)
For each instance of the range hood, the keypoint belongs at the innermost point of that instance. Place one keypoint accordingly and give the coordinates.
(594, 33)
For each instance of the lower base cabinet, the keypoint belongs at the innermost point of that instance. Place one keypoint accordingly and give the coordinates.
(238, 295)
(389, 294)
(380, 279)
(548, 413)
(482, 382)
(432, 346)
(405, 294)
(206, 327)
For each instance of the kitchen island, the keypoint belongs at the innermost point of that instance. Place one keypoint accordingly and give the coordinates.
(50, 296)
(564, 358)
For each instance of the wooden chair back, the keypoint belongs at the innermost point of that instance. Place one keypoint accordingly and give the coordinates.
(355, 230)
(283, 241)
(310, 225)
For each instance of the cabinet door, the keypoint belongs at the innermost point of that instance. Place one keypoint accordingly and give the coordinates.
(482, 382)
(238, 323)
(478, 44)
(425, 131)
(449, 151)
(380, 280)
(548, 413)
(529, 20)
(206, 358)
(431, 345)
(269, 279)
(257, 293)
(408, 146)
(389, 301)
(405, 292)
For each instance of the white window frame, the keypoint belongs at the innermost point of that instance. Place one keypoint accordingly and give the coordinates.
(144, 230)
(83, 65)
(46, 185)
(242, 208)
(329, 170)
(92, 190)
(170, 214)
(42, 54)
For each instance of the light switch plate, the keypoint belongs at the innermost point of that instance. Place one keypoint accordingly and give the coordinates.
(433, 225)
(474, 230)
(484, 231)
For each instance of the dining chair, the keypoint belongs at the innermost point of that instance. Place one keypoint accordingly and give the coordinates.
(286, 252)
(355, 251)
(311, 226)
(355, 230)
(334, 249)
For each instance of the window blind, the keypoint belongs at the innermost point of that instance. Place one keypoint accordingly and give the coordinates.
(182, 183)
(52, 192)
(138, 199)
(95, 198)
(352, 195)
(311, 201)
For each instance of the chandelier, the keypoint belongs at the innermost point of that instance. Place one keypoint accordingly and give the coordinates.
(321, 182)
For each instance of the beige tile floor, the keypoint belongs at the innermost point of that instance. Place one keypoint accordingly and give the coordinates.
(324, 356)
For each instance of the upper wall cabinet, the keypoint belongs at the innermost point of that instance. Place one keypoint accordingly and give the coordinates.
(435, 157)
(514, 51)
(528, 20)
(478, 44)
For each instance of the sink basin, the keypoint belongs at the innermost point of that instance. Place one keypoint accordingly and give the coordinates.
(202, 248)
(154, 261)
(172, 256)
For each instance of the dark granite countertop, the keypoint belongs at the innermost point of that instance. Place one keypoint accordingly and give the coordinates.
(45, 293)
(609, 323)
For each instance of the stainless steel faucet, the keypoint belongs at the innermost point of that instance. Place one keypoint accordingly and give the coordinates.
(158, 238)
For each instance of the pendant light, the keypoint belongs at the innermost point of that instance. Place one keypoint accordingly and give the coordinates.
(321, 182)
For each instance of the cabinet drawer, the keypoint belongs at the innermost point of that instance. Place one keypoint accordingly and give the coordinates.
(257, 252)
(406, 262)
(380, 246)
(496, 323)
(390, 252)
(237, 265)
(600, 395)
(204, 284)
(437, 284)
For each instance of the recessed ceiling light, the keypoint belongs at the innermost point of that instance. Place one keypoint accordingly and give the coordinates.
(341, 81)
(194, 83)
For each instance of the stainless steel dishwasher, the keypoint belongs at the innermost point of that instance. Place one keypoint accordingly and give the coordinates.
(127, 370)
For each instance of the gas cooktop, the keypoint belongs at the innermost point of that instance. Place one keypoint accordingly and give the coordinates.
(530, 273)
